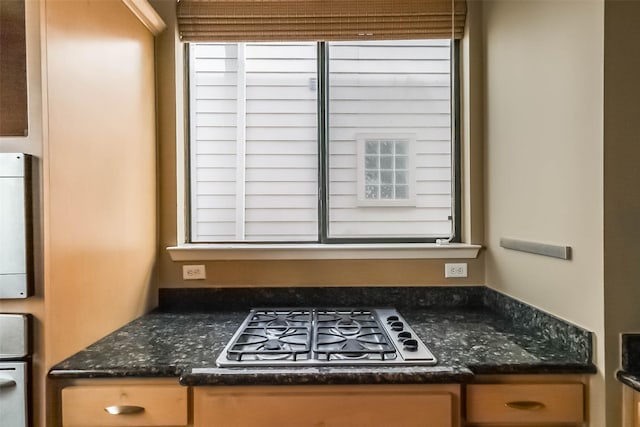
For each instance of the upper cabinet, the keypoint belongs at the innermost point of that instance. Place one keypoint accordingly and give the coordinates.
(13, 69)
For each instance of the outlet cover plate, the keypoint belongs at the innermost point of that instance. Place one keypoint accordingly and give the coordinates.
(455, 270)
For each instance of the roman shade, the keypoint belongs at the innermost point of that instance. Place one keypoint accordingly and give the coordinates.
(319, 20)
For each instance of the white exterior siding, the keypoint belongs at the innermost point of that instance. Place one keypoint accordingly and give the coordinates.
(277, 147)
(393, 91)
(277, 199)
(281, 153)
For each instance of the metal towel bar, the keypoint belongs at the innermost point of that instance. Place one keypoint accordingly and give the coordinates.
(555, 251)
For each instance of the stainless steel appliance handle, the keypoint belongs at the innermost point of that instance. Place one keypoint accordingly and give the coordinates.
(7, 382)
(124, 409)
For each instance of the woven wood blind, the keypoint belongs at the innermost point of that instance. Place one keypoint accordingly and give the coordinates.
(317, 20)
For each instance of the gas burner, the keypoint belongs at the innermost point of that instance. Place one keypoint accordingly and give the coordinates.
(352, 349)
(347, 328)
(276, 323)
(274, 349)
(275, 329)
(292, 337)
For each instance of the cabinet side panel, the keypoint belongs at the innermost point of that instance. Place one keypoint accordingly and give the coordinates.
(100, 182)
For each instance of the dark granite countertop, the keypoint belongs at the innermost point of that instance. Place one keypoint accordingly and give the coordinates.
(630, 351)
(471, 330)
(630, 379)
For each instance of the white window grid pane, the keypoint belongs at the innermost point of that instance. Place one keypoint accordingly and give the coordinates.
(386, 169)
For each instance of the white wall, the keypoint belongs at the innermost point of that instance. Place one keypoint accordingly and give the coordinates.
(544, 158)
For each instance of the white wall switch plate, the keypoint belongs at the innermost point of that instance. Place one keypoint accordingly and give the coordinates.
(194, 272)
(455, 270)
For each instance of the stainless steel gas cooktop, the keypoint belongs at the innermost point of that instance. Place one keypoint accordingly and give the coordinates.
(317, 337)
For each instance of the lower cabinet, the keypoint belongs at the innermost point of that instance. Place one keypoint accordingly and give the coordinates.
(125, 405)
(522, 402)
(513, 400)
(327, 406)
(525, 403)
(630, 407)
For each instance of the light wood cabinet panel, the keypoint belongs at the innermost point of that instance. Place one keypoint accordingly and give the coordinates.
(326, 406)
(142, 405)
(630, 407)
(525, 404)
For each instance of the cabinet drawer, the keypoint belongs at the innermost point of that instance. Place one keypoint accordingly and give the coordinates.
(132, 405)
(333, 407)
(525, 403)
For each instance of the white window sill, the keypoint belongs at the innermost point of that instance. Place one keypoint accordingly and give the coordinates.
(225, 251)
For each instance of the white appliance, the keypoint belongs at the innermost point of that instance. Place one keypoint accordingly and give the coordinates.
(16, 226)
(14, 367)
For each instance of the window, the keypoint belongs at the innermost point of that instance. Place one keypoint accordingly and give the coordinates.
(322, 142)
(385, 171)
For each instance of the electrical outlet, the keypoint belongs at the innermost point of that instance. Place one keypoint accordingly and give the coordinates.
(194, 272)
(455, 270)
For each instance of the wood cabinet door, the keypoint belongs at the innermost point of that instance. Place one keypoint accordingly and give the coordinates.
(525, 404)
(630, 407)
(124, 405)
(325, 406)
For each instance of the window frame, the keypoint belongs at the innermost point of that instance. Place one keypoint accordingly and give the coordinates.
(323, 160)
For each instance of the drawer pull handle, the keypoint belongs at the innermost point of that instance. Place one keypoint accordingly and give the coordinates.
(124, 409)
(7, 382)
(525, 405)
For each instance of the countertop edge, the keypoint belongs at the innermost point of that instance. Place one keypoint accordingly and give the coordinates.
(157, 372)
(538, 369)
(629, 379)
(324, 376)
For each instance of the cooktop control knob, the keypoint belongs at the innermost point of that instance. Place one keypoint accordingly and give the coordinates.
(397, 326)
(407, 342)
(404, 336)
(410, 345)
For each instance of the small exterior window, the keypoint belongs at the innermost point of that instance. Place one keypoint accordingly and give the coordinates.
(386, 171)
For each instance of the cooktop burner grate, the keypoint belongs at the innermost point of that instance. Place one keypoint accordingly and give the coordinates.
(273, 335)
(350, 335)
